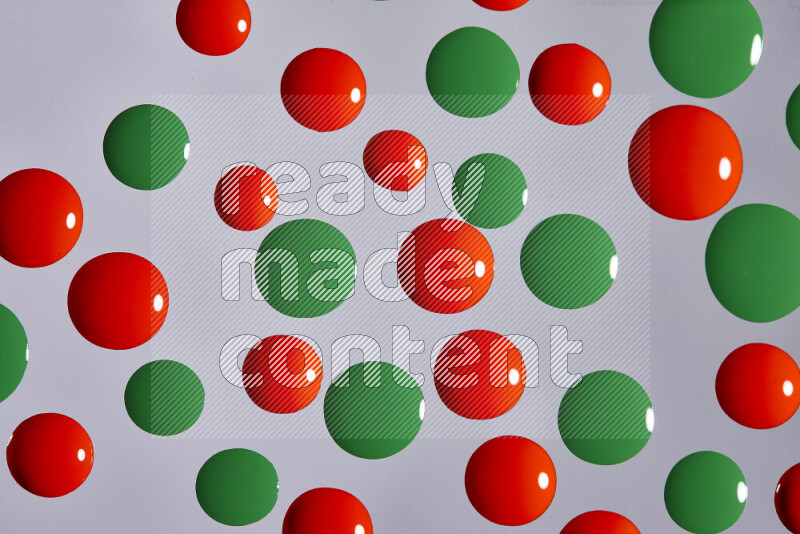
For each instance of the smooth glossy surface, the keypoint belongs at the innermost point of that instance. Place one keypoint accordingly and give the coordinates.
(118, 300)
(600, 522)
(705, 493)
(164, 398)
(13, 352)
(328, 510)
(50, 455)
(323, 89)
(787, 499)
(374, 410)
(793, 117)
(282, 374)
(568, 261)
(753, 262)
(685, 162)
(489, 191)
(305, 268)
(569, 84)
(237, 487)
(41, 217)
(501, 5)
(706, 48)
(479, 374)
(395, 160)
(606, 418)
(472, 72)
(445, 266)
(246, 197)
(146, 147)
(213, 27)
(510, 480)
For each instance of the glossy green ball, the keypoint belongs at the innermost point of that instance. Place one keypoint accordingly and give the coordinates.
(489, 191)
(13, 352)
(793, 117)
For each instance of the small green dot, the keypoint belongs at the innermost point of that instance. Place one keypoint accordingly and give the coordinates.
(606, 418)
(237, 487)
(146, 147)
(793, 117)
(568, 261)
(489, 191)
(13, 352)
(705, 493)
(164, 398)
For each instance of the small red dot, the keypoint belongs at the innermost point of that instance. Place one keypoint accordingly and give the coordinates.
(787, 499)
(327, 510)
(213, 27)
(246, 197)
(395, 160)
(600, 522)
(501, 5)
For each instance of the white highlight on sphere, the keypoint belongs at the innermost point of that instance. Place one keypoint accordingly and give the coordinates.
(724, 168)
(422, 409)
(311, 375)
(418, 164)
(755, 50)
(81, 455)
(158, 303)
(480, 269)
(741, 492)
(788, 388)
(613, 267)
(355, 95)
(359, 529)
(267, 200)
(186, 151)
(650, 420)
(513, 377)
(543, 480)
(597, 90)
(525, 197)
(242, 26)
(27, 352)
(71, 221)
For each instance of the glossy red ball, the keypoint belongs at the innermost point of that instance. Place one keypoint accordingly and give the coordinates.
(328, 510)
(600, 522)
(246, 197)
(395, 160)
(501, 5)
(213, 27)
(787, 499)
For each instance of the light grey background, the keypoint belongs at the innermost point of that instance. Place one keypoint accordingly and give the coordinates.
(69, 67)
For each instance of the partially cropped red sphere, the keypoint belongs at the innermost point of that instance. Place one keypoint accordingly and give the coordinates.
(501, 5)
(282, 374)
(213, 27)
(323, 89)
(685, 162)
(758, 386)
(50, 455)
(395, 160)
(479, 374)
(118, 300)
(510, 480)
(787, 499)
(246, 197)
(327, 510)
(569, 84)
(600, 522)
(41, 217)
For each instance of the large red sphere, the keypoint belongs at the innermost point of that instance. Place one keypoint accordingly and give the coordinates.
(41, 217)
(758, 386)
(787, 499)
(600, 522)
(569, 84)
(685, 162)
(246, 197)
(213, 27)
(118, 300)
(323, 89)
(395, 160)
(327, 510)
(50, 455)
(501, 5)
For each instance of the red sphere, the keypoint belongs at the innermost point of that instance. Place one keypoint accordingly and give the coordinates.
(41, 217)
(50, 455)
(118, 300)
(323, 89)
(445, 266)
(213, 27)
(282, 374)
(501, 5)
(569, 84)
(328, 510)
(758, 386)
(510, 480)
(395, 160)
(787, 499)
(479, 374)
(685, 162)
(600, 522)
(246, 197)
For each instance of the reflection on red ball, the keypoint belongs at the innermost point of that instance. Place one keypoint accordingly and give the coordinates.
(501, 5)
(445, 266)
(323, 89)
(213, 27)
(758, 386)
(395, 160)
(510, 480)
(600, 522)
(685, 162)
(787, 499)
(41, 217)
(50, 455)
(479, 374)
(118, 300)
(569, 84)
(328, 510)
(246, 197)
(282, 374)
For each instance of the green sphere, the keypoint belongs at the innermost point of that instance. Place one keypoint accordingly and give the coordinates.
(472, 72)
(753, 262)
(13, 352)
(793, 117)
(568, 261)
(705, 493)
(489, 191)
(374, 410)
(164, 398)
(606, 418)
(237, 487)
(146, 147)
(706, 48)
